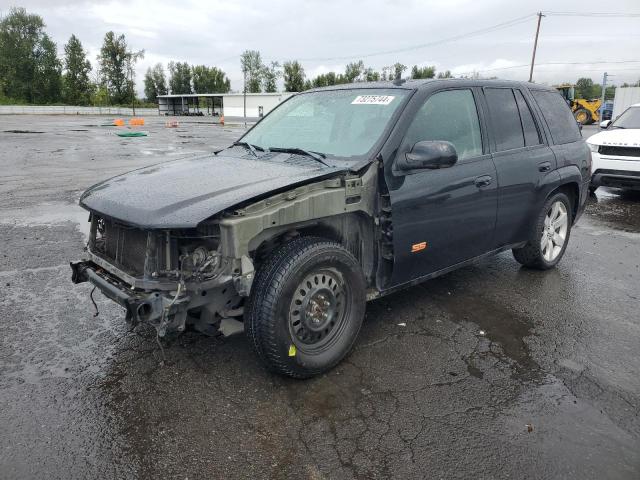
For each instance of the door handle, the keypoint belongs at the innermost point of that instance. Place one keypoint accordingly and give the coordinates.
(483, 181)
(544, 167)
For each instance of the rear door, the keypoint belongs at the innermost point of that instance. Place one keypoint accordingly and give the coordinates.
(522, 159)
(445, 216)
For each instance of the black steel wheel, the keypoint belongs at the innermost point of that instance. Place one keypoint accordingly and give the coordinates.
(318, 309)
(306, 307)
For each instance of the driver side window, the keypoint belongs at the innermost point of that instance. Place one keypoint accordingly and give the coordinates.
(452, 116)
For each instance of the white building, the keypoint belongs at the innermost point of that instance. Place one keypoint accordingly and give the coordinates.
(227, 104)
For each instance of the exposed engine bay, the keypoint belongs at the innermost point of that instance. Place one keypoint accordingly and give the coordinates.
(174, 278)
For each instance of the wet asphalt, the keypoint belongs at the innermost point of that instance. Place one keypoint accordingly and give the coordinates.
(492, 371)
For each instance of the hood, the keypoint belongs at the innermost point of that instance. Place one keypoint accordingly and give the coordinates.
(183, 193)
(617, 137)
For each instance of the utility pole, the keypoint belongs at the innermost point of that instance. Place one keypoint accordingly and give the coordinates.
(604, 89)
(535, 46)
(133, 95)
(244, 97)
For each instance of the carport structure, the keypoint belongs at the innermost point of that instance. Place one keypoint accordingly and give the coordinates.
(256, 105)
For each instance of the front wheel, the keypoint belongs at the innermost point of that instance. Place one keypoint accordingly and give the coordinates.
(582, 116)
(549, 237)
(306, 307)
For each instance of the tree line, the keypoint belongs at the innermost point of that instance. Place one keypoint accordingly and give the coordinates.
(260, 77)
(32, 72)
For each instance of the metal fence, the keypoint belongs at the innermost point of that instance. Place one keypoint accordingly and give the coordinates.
(72, 110)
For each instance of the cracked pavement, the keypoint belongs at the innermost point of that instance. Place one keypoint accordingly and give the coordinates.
(492, 371)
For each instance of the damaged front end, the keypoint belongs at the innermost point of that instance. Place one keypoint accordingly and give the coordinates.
(166, 278)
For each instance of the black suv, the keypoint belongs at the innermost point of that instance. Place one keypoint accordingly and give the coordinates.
(338, 196)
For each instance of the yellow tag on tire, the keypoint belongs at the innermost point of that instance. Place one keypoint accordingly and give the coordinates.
(292, 351)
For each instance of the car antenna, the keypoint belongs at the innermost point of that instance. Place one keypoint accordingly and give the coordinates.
(398, 80)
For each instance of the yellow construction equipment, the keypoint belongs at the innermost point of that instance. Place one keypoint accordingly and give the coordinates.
(584, 111)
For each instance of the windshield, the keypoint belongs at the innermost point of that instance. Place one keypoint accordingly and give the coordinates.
(342, 123)
(630, 118)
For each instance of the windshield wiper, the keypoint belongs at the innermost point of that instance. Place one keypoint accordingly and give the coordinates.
(250, 146)
(317, 156)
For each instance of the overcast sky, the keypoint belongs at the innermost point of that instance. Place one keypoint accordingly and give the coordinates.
(322, 34)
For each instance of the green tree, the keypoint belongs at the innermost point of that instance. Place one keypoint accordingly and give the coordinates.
(370, 75)
(327, 79)
(77, 86)
(253, 70)
(586, 89)
(423, 72)
(353, 71)
(398, 70)
(270, 75)
(132, 59)
(100, 96)
(117, 64)
(30, 70)
(445, 74)
(47, 85)
(209, 80)
(293, 76)
(155, 83)
(609, 93)
(180, 78)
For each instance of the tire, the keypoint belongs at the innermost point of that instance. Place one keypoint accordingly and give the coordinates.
(592, 189)
(306, 307)
(545, 252)
(582, 116)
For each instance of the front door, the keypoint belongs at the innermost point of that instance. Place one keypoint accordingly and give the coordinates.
(446, 216)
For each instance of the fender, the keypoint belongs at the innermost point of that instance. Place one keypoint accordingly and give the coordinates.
(570, 173)
(547, 184)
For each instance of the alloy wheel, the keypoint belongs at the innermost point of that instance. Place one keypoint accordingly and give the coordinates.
(554, 231)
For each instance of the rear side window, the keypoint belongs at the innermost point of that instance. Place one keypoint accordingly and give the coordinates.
(564, 128)
(531, 134)
(505, 118)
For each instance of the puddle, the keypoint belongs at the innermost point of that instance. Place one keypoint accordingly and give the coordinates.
(46, 214)
(615, 209)
(498, 326)
(21, 131)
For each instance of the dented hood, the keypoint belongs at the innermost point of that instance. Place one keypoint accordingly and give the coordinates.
(183, 193)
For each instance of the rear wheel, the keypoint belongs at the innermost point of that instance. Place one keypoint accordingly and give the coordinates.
(550, 235)
(306, 307)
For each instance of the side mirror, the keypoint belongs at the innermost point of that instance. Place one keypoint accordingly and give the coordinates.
(605, 124)
(429, 154)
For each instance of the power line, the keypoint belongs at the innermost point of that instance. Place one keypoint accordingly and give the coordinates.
(510, 67)
(482, 31)
(593, 14)
(492, 28)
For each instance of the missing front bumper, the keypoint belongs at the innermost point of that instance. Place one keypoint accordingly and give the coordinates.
(160, 309)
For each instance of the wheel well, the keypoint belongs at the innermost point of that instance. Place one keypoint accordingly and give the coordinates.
(353, 231)
(571, 190)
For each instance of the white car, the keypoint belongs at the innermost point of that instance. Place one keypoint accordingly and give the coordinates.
(615, 152)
